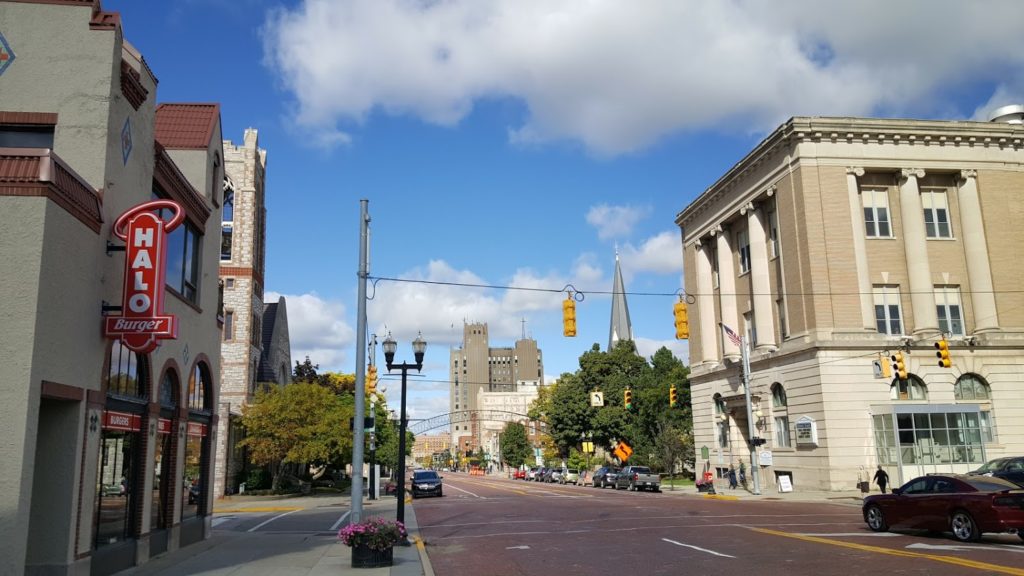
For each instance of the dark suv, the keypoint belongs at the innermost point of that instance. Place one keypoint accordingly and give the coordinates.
(1010, 468)
(425, 483)
(605, 476)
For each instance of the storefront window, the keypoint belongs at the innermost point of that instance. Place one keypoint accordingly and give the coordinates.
(114, 493)
(119, 471)
(197, 451)
(163, 462)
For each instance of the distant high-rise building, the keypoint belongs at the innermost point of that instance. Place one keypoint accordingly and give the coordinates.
(477, 368)
(620, 327)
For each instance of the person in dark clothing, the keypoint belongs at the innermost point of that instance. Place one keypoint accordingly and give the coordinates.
(881, 478)
(732, 477)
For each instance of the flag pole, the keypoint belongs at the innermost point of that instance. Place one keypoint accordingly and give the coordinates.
(754, 471)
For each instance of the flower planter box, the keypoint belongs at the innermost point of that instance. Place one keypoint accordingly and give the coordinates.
(364, 557)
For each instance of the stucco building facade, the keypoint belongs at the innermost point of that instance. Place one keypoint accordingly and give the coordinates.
(832, 246)
(107, 451)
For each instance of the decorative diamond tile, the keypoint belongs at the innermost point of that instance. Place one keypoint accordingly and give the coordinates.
(6, 54)
(126, 139)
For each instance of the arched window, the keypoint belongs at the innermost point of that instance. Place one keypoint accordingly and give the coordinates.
(162, 500)
(912, 388)
(128, 374)
(198, 388)
(779, 396)
(780, 417)
(971, 387)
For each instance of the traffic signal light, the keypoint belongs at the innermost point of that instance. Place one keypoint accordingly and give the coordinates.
(628, 399)
(682, 321)
(673, 397)
(899, 367)
(943, 353)
(569, 316)
(758, 441)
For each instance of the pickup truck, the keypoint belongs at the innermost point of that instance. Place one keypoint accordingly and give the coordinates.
(638, 478)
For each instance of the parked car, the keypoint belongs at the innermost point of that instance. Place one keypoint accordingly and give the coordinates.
(1010, 468)
(425, 483)
(966, 505)
(570, 476)
(605, 476)
(519, 474)
(637, 478)
(531, 474)
(552, 475)
(539, 476)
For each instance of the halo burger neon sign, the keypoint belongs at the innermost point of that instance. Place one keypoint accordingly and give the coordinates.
(142, 321)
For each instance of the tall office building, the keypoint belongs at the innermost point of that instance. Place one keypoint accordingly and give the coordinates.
(834, 245)
(477, 369)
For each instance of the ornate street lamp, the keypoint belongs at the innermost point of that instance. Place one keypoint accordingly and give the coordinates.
(419, 347)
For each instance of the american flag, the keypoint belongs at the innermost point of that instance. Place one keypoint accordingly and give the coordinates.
(733, 337)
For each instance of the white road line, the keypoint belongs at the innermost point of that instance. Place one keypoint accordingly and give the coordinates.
(340, 521)
(697, 548)
(922, 546)
(262, 524)
(220, 520)
(517, 547)
(467, 492)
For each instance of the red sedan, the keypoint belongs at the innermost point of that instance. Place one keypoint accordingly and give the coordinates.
(965, 505)
(519, 474)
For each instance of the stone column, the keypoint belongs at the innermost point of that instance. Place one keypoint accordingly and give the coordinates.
(979, 271)
(860, 251)
(727, 292)
(760, 285)
(915, 246)
(706, 305)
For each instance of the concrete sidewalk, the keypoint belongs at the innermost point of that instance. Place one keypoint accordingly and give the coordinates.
(283, 554)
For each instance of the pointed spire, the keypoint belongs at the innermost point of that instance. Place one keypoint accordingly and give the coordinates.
(620, 328)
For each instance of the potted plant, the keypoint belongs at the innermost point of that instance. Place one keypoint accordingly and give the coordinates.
(372, 541)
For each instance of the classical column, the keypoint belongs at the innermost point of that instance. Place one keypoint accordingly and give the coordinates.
(727, 291)
(706, 304)
(976, 251)
(760, 285)
(915, 246)
(860, 251)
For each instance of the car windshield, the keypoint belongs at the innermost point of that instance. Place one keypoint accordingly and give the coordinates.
(987, 484)
(424, 475)
(991, 466)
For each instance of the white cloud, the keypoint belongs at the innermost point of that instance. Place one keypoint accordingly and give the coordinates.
(615, 221)
(318, 329)
(661, 254)
(618, 76)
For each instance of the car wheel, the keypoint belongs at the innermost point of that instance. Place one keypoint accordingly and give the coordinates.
(875, 519)
(964, 528)
(1021, 534)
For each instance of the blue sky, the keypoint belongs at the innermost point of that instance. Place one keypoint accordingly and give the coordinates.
(520, 142)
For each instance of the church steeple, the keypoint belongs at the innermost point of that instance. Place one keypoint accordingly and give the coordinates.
(620, 328)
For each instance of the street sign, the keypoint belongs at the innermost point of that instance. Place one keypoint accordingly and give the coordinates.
(705, 454)
(623, 451)
(597, 399)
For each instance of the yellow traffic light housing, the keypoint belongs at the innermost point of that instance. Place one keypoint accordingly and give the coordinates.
(899, 366)
(371, 379)
(569, 316)
(943, 353)
(682, 321)
(628, 399)
(673, 397)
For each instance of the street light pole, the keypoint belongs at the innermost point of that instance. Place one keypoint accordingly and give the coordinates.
(419, 347)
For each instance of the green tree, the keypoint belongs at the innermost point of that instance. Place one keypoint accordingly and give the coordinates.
(299, 423)
(515, 446)
(673, 447)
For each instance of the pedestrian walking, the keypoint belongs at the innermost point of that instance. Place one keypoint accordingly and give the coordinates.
(743, 473)
(881, 478)
(732, 477)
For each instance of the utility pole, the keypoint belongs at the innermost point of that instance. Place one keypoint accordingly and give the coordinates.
(358, 434)
(754, 471)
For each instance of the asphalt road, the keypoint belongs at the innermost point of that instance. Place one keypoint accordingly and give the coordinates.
(498, 527)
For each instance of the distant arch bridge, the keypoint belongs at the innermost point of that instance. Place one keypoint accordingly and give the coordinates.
(463, 416)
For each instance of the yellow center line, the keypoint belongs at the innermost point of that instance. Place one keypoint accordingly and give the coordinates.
(993, 568)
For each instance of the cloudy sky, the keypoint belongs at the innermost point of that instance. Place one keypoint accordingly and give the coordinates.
(520, 143)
